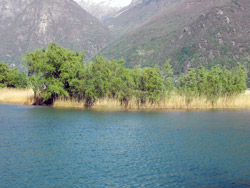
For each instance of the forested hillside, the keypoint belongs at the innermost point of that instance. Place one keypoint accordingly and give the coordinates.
(191, 33)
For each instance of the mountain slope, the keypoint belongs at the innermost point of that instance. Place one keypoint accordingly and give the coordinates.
(135, 15)
(9, 9)
(60, 21)
(191, 33)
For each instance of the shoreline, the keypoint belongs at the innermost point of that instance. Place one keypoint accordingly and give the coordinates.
(17, 96)
(174, 103)
(127, 109)
(133, 110)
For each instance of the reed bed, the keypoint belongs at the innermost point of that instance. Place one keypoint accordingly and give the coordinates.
(17, 96)
(69, 103)
(26, 97)
(175, 102)
(247, 92)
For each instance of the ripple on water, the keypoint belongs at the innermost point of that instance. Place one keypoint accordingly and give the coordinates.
(46, 147)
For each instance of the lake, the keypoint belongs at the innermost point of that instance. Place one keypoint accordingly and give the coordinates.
(48, 147)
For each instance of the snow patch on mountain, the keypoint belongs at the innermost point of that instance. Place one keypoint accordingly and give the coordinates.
(109, 3)
(103, 9)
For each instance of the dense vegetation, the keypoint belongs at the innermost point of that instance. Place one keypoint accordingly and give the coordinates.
(208, 33)
(12, 78)
(56, 72)
(213, 83)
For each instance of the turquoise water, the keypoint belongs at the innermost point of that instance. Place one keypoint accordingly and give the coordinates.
(46, 147)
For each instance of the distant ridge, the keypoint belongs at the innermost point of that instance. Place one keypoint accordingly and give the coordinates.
(135, 15)
(191, 33)
(60, 21)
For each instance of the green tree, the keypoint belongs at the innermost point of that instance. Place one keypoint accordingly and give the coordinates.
(53, 70)
(139, 91)
(12, 78)
(152, 84)
(240, 79)
(188, 85)
(121, 82)
(201, 77)
(167, 73)
(4, 75)
(214, 84)
(18, 80)
(97, 78)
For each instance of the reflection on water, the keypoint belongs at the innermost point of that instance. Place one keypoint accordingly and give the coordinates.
(46, 147)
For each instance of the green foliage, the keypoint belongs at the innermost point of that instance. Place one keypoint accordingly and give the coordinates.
(52, 71)
(167, 73)
(4, 75)
(152, 84)
(188, 85)
(121, 81)
(12, 78)
(213, 83)
(185, 53)
(57, 72)
(240, 78)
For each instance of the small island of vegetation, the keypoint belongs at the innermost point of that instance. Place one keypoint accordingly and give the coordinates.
(58, 77)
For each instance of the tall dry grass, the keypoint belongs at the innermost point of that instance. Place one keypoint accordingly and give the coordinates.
(26, 96)
(175, 102)
(247, 92)
(17, 96)
(69, 103)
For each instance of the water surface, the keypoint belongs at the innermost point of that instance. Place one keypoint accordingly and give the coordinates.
(46, 147)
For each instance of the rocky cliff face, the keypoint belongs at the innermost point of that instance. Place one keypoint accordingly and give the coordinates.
(60, 21)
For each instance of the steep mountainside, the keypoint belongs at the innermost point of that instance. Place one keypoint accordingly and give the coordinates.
(191, 33)
(9, 9)
(103, 10)
(134, 15)
(61, 21)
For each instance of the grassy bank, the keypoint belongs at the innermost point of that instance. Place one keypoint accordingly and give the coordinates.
(17, 96)
(176, 102)
(26, 96)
